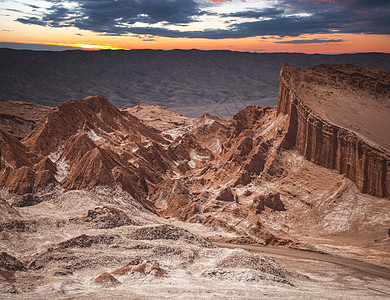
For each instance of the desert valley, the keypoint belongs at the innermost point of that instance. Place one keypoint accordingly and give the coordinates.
(275, 186)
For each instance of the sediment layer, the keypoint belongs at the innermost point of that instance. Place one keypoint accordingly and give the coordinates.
(330, 145)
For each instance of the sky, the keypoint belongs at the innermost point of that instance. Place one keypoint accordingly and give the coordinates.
(308, 26)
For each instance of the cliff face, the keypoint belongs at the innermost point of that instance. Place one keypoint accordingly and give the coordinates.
(326, 143)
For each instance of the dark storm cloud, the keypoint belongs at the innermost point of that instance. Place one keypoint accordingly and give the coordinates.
(285, 18)
(31, 20)
(56, 16)
(261, 13)
(287, 26)
(107, 15)
(352, 5)
(313, 41)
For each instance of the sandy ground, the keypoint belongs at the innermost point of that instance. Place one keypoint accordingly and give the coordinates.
(291, 254)
(63, 264)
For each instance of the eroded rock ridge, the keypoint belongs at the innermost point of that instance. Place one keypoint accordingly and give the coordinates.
(324, 142)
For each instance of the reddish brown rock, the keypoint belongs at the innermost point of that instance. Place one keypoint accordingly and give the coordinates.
(158, 117)
(45, 164)
(226, 195)
(92, 114)
(122, 271)
(249, 118)
(140, 268)
(67, 119)
(18, 118)
(43, 178)
(106, 280)
(258, 205)
(19, 180)
(76, 147)
(149, 269)
(333, 137)
(19, 176)
(273, 201)
(128, 180)
(157, 271)
(127, 268)
(92, 170)
(12, 153)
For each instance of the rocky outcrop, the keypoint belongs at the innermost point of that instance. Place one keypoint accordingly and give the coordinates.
(159, 118)
(105, 217)
(19, 118)
(82, 144)
(328, 144)
(19, 180)
(18, 173)
(271, 201)
(226, 195)
(212, 192)
(106, 280)
(9, 262)
(95, 115)
(12, 153)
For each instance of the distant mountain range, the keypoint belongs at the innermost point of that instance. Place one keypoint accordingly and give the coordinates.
(191, 82)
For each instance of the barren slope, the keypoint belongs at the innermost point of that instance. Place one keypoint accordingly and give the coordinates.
(102, 243)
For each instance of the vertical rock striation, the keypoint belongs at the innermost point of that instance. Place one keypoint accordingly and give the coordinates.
(327, 144)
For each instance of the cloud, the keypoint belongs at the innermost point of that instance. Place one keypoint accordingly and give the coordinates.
(147, 38)
(154, 17)
(31, 5)
(286, 26)
(14, 10)
(104, 15)
(313, 41)
(261, 13)
(32, 20)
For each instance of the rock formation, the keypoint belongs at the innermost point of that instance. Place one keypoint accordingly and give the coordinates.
(338, 143)
(19, 118)
(19, 174)
(82, 144)
(211, 171)
(94, 190)
(106, 280)
(158, 117)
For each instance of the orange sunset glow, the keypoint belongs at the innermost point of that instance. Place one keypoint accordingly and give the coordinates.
(254, 26)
